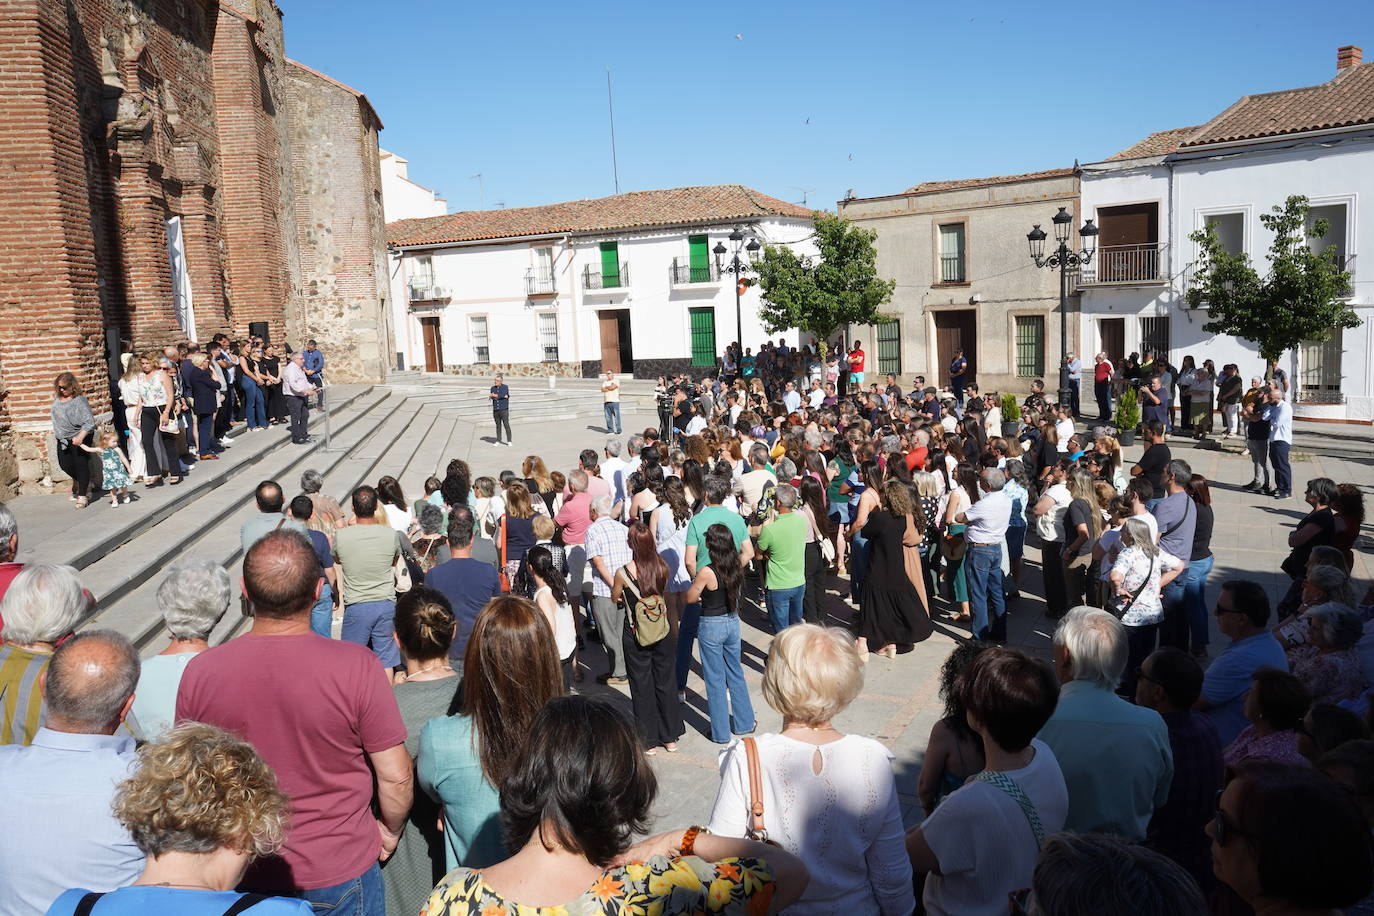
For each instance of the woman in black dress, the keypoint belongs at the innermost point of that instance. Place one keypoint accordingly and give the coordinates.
(892, 608)
(270, 371)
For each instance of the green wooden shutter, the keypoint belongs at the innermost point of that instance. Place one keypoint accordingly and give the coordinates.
(890, 347)
(703, 336)
(610, 264)
(700, 258)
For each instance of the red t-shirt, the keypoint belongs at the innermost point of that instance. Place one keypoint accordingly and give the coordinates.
(7, 573)
(1103, 372)
(856, 360)
(916, 458)
(314, 708)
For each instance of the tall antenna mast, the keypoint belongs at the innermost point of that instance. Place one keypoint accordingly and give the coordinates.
(481, 189)
(610, 106)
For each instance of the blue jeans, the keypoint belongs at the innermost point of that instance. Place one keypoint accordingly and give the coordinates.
(371, 623)
(784, 606)
(1194, 580)
(1283, 472)
(362, 896)
(858, 564)
(983, 572)
(686, 635)
(255, 404)
(322, 614)
(612, 409)
(727, 696)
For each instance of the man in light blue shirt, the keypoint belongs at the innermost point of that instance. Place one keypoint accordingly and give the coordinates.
(1279, 413)
(791, 399)
(60, 831)
(1242, 612)
(270, 501)
(1115, 756)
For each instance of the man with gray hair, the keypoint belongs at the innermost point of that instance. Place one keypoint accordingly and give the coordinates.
(783, 540)
(756, 482)
(608, 549)
(58, 791)
(43, 604)
(1115, 756)
(987, 522)
(9, 550)
(1176, 517)
(615, 471)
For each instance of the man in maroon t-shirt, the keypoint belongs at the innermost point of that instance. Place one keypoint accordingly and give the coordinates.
(322, 714)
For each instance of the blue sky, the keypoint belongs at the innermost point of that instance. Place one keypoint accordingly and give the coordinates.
(895, 93)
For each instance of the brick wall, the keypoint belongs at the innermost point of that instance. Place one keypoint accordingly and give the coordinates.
(336, 180)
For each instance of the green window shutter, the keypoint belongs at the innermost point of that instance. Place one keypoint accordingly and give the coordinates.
(610, 264)
(890, 347)
(699, 258)
(703, 336)
(1030, 345)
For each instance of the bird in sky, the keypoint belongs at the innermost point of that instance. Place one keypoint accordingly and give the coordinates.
(851, 157)
(739, 36)
(808, 120)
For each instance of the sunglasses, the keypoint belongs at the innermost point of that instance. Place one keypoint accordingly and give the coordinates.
(1142, 676)
(1225, 828)
(1218, 610)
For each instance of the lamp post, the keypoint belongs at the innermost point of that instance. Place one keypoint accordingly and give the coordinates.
(1064, 260)
(739, 268)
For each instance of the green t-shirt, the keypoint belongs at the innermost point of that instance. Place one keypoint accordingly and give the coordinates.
(366, 553)
(784, 540)
(714, 515)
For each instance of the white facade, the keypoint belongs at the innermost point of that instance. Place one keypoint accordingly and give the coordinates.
(1236, 184)
(403, 198)
(544, 304)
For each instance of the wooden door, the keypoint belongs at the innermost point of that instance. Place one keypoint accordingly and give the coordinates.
(610, 340)
(1112, 334)
(434, 344)
(955, 330)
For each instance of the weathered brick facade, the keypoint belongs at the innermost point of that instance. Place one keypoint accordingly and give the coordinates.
(118, 116)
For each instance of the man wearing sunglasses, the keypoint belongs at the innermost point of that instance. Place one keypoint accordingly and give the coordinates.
(1242, 612)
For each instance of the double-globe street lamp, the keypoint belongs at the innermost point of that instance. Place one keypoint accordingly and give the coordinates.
(739, 268)
(1064, 260)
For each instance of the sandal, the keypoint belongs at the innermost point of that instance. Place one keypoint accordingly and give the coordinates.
(671, 747)
(651, 752)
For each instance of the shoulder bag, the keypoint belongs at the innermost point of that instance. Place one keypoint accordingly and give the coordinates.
(754, 829)
(1118, 605)
(505, 579)
(1017, 794)
(827, 545)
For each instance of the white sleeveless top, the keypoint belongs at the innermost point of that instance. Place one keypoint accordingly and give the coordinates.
(564, 629)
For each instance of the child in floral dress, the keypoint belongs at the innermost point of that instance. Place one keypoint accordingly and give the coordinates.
(114, 466)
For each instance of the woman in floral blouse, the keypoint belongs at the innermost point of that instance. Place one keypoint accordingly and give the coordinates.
(1330, 667)
(1275, 705)
(580, 790)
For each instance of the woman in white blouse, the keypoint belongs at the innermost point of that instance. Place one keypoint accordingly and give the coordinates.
(129, 384)
(828, 798)
(1136, 583)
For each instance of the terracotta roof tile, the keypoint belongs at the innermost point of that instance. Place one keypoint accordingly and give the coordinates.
(1346, 100)
(1160, 143)
(638, 209)
(927, 187)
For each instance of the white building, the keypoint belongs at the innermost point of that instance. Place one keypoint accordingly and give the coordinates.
(628, 283)
(403, 199)
(1316, 141)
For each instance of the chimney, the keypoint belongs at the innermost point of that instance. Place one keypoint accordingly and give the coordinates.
(1348, 56)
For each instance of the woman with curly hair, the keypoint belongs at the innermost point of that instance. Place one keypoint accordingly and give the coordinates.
(954, 751)
(202, 805)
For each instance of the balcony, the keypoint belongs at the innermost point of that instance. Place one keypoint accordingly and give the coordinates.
(952, 269)
(681, 274)
(539, 281)
(422, 292)
(1139, 264)
(597, 280)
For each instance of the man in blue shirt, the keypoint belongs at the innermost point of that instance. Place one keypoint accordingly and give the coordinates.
(790, 398)
(314, 368)
(1242, 612)
(60, 831)
(1115, 755)
(958, 376)
(468, 584)
(1279, 413)
(500, 409)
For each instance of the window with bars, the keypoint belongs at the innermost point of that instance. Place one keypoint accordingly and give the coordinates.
(1321, 364)
(477, 329)
(1030, 346)
(890, 347)
(952, 254)
(1154, 336)
(703, 328)
(548, 336)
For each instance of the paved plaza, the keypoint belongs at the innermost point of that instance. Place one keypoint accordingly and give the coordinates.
(413, 430)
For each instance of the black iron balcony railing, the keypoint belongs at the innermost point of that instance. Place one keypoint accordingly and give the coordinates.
(680, 273)
(600, 280)
(539, 282)
(952, 268)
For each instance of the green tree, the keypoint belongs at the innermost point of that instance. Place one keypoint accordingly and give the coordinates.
(1299, 299)
(823, 294)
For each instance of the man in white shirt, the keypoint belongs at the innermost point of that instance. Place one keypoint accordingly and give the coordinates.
(791, 399)
(816, 396)
(610, 402)
(1075, 382)
(297, 389)
(987, 522)
(1064, 425)
(752, 484)
(1279, 413)
(614, 470)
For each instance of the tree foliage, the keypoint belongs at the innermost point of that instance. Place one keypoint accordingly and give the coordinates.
(820, 295)
(1300, 298)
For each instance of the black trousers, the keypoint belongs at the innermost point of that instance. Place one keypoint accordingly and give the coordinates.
(1056, 587)
(1104, 403)
(1140, 642)
(812, 611)
(76, 464)
(502, 418)
(665, 426)
(300, 417)
(149, 427)
(224, 417)
(652, 671)
(1073, 396)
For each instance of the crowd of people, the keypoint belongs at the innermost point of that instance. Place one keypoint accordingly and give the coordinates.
(175, 407)
(409, 726)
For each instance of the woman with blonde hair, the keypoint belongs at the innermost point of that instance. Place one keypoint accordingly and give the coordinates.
(133, 408)
(829, 798)
(1110, 468)
(202, 806)
(517, 527)
(538, 481)
(1082, 528)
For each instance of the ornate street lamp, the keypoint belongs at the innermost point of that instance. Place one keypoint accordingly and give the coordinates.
(739, 267)
(1063, 259)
